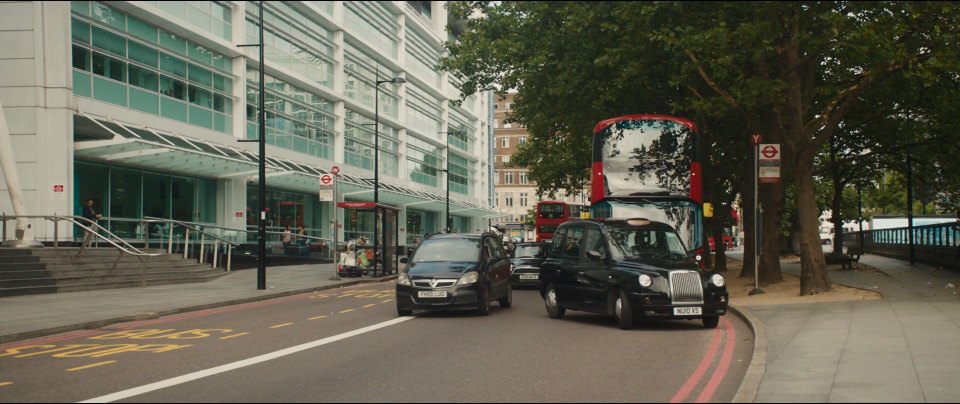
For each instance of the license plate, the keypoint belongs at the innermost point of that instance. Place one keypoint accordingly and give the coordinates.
(533, 276)
(687, 311)
(432, 293)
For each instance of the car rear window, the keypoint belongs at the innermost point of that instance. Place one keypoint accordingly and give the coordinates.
(448, 249)
(528, 251)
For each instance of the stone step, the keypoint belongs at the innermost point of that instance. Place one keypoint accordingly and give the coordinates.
(79, 287)
(187, 275)
(15, 259)
(22, 266)
(4, 252)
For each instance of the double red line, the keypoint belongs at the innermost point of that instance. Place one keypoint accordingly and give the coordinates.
(718, 373)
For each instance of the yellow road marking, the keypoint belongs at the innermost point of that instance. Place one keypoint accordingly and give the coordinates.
(235, 335)
(5, 384)
(281, 325)
(369, 305)
(317, 317)
(388, 300)
(90, 366)
(346, 311)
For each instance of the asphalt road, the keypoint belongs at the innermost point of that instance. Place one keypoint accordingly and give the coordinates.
(348, 345)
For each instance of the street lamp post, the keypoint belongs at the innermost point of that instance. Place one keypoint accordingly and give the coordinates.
(449, 225)
(376, 165)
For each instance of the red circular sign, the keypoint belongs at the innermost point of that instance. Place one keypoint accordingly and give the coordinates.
(326, 179)
(769, 152)
(335, 170)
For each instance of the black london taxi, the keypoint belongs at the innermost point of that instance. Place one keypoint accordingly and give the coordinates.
(631, 269)
(455, 271)
(526, 259)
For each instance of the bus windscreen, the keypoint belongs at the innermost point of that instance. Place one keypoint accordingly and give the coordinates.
(646, 156)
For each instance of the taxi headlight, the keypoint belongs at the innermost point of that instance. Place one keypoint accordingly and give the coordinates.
(718, 280)
(403, 279)
(645, 280)
(468, 278)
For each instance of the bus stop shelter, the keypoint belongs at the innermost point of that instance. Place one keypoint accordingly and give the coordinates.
(377, 257)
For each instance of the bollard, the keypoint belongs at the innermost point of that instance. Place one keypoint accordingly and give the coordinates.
(202, 238)
(229, 256)
(170, 242)
(186, 242)
(216, 250)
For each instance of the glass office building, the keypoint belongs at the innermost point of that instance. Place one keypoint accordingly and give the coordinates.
(140, 107)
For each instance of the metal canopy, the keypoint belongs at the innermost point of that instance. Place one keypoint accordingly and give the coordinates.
(107, 140)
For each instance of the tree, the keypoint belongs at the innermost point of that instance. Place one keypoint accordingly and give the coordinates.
(791, 71)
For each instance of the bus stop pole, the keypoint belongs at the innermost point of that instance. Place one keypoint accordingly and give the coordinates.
(756, 221)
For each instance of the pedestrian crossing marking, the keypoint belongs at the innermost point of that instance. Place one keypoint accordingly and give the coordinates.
(90, 366)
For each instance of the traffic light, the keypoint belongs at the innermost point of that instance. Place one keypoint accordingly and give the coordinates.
(707, 209)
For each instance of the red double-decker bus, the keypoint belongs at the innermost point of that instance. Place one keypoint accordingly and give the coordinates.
(549, 215)
(649, 166)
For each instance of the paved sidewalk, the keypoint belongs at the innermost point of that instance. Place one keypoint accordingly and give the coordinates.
(24, 317)
(903, 348)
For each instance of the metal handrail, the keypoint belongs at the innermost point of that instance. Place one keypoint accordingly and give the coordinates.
(125, 248)
(203, 234)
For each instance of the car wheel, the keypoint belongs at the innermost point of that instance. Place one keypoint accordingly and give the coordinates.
(483, 302)
(554, 309)
(507, 300)
(621, 308)
(711, 321)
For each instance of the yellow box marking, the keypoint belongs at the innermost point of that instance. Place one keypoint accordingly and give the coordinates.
(2, 384)
(281, 325)
(317, 317)
(346, 311)
(388, 300)
(369, 305)
(90, 366)
(235, 335)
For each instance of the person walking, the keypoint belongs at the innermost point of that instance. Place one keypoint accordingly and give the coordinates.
(90, 214)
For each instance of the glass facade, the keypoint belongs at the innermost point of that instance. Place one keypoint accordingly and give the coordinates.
(296, 119)
(293, 41)
(358, 138)
(128, 193)
(424, 162)
(286, 208)
(122, 60)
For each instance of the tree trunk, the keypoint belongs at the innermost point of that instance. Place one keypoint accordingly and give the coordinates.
(772, 201)
(813, 268)
(749, 224)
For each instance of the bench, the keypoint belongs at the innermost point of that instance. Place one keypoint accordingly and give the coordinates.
(845, 260)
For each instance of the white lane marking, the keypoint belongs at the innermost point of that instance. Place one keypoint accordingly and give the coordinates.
(136, 391)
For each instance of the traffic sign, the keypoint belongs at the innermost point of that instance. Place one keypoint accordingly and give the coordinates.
(768, 170)
(756, 138)
(769, 152)
(326, 180)
(335, 170)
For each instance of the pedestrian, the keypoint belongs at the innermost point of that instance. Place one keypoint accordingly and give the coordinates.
(287, 237)
(90, 214)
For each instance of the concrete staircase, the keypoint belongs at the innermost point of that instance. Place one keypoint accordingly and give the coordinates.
(54, 270)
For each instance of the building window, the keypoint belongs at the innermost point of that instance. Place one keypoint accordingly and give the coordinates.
(523, 140)
(507, 125)
(506, 159)
(505, 142)
(523, 177)
(508, 177)
(496, 106)
(523, 199)
(510, 106)
(496, 123)
(508, 199)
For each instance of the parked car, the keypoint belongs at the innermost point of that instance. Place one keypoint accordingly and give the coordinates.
(526, 260)
(631, 269)
(455, 271)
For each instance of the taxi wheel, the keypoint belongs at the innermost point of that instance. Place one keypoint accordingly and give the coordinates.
(711, 321)
(623, 311)
(507, 300)
(554, 309)
(483, 302)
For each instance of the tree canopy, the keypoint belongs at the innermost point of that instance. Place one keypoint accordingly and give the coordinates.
(808, 75)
